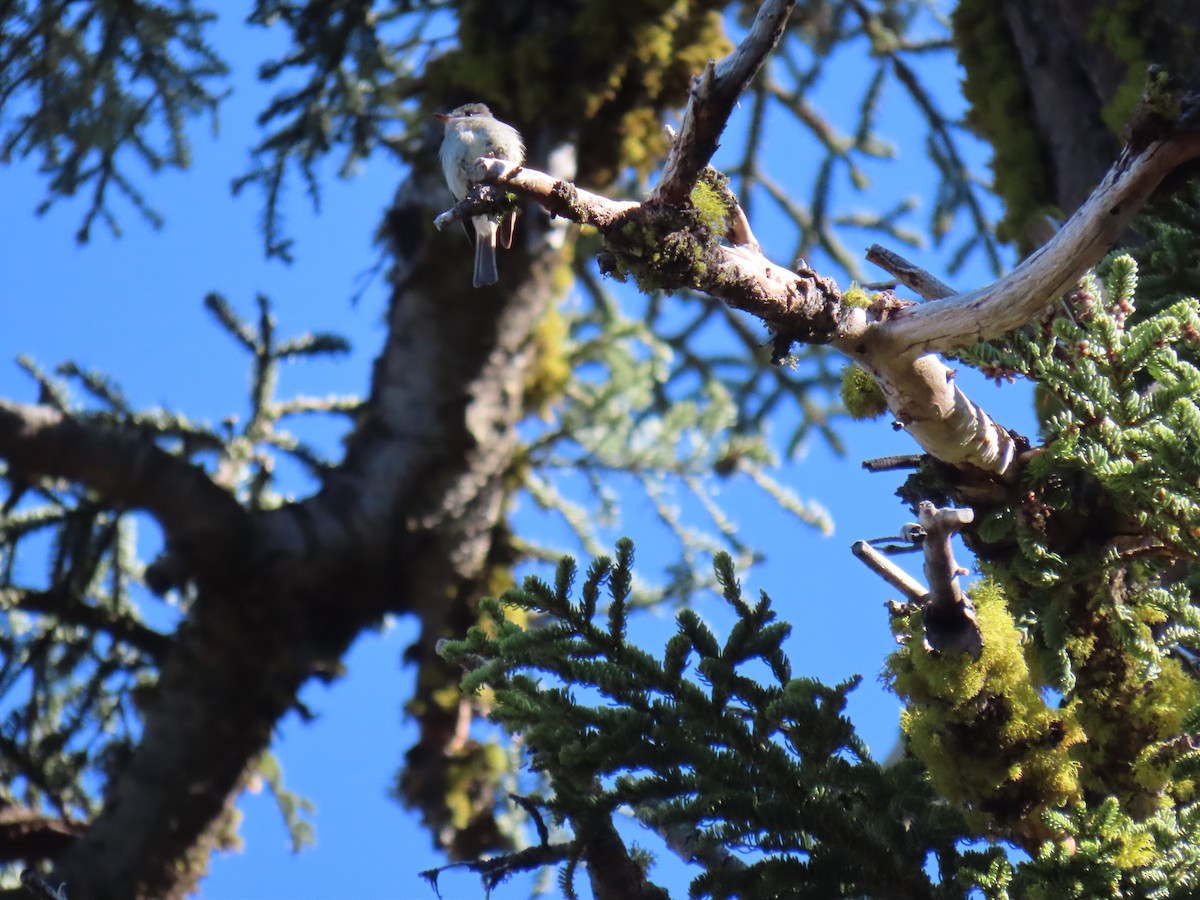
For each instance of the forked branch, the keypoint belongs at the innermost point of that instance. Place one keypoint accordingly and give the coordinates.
(896, 341)
(714, 94)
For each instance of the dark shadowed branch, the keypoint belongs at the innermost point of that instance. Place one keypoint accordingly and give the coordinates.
(72, 610)
(128, 471)
(28, 834)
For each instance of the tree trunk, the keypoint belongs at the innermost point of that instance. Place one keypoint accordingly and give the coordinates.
(1052, 83)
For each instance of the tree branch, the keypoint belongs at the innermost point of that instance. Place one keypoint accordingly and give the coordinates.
(912, 589)
(713, 97)
(72, 610)
(893, 340)
(807, 307)
(908, 274)
(948, 615)
(804, 305)
(1021, 296)
(27, 834)
(614, 874)
(129, 471)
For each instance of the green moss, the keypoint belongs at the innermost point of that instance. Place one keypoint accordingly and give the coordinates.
(1161, 97)
(861, 394)
(661, 45)
(552, 368)
(1120, 27)
(466, 774)
(603, 71)
(1002, 112)
(989, 740)
(710, 206)
(1131, 722)
(661, 248)
(856, 297)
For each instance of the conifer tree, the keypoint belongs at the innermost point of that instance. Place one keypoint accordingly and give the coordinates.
(1051, 708)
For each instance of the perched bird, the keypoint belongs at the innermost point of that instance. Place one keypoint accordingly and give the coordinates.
(471, 132)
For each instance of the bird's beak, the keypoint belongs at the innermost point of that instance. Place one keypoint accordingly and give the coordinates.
(441, 117)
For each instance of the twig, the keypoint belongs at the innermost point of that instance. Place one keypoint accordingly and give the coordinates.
(890, 572)
(36, 885)
(891, 463)
(713, 97)
(559, 198)
(925, 284)
(72, 610)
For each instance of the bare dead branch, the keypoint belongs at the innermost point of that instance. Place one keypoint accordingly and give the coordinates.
(890, 572)
(921, 393)
(739, 233)
(558, 197)
(896, 343)
(713, 97)
(948, 614)
(934, 411)
(891, 463)
(807, 306)
(925, 284)
(1021, 296)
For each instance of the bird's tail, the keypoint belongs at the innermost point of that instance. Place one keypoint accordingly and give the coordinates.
(485, 252)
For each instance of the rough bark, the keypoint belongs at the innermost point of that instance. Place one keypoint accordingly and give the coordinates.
(897, 342)
(405, 524)
(1069, 81)
(1081, 63)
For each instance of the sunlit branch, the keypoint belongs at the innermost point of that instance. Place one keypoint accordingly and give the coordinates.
(912, 589)
(925, 284)
(984, 314)
(896, 343)
(948, 615)
(712, 100)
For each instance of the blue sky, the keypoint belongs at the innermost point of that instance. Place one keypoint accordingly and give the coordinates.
(131, 307)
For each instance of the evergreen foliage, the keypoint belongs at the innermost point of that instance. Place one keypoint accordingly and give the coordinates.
(1061, 763)
(89, 87)
(1071, 736)
(358, 76)
(629, 415)
(738, 755)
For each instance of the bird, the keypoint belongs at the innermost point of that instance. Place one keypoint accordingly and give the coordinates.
(471, 132)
